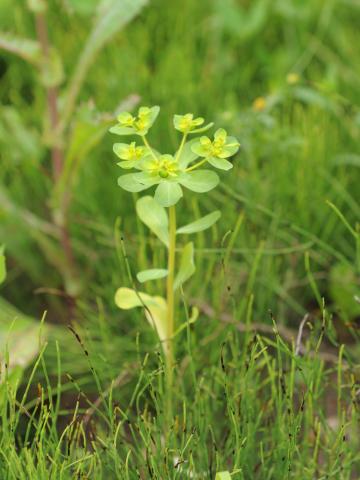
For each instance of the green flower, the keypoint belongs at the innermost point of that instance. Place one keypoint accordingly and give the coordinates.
(216, 151)
(164, 166)
(170, 173)
(131, 154)
(139, 125)
(187, 124)
(165, 172)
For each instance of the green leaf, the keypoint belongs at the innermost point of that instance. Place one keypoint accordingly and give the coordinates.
(223, 476)
(187, 155)
(155, 311)
(220, 163)
(168, 193)
(113, 16)
(192, 319)
(128, 164)
(202, 224)
(51, 69)
(203, 129)
(187, 266)
(119, 130)
(2, 265)
(199, 181)
(20, 340)
(154, 216)
(28, 50)
(343, 288)
(152, 274)
(130, 183)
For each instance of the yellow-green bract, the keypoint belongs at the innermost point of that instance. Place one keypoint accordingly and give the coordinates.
(170, 173)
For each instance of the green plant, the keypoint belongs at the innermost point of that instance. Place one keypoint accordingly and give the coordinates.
(70, 131)
(169, 173)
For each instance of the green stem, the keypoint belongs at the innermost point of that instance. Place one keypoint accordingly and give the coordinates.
(170, 301)
(147, 144)
(181, 147)
(196, 165)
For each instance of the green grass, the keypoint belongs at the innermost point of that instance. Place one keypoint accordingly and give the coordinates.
(243, 400)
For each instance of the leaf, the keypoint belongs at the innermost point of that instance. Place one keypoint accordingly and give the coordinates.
(202, 224)
(118, 130)
(28, 50)
(203, 129)
(2, 265)
(168, 193)
(187, 266)
(89, 127)
(112, 17)
(152, 274)
(192, 319)
(223, 476)
(220, 163)
(155, 312)
(82, 8)
(51, 69)
(199, 181)
(343, 288)
(311, 96)
(154, 216)
(130, 183)
(19, 339)
(187, 155)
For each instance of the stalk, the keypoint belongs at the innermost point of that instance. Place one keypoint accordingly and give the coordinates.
(57, 156)
(170, 303)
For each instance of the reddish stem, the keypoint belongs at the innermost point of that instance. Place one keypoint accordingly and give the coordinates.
(57, 153)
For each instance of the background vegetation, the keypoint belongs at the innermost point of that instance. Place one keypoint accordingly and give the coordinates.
(259, 392)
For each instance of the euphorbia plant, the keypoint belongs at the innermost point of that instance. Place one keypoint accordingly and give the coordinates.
(170, 174)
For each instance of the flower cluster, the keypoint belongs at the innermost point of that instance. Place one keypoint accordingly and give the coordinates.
(171, 172)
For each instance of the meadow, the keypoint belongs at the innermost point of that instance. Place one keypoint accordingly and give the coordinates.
(265, 362)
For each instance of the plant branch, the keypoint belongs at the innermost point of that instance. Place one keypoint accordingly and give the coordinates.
(51, 94)
(148, 146)
(196, 165)
(57, 153)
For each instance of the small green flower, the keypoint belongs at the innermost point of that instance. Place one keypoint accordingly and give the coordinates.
(139, 125)
(126, 119)
(188, 124)
(131, 154)
(171, 173)
(218, 150)
(165, 166)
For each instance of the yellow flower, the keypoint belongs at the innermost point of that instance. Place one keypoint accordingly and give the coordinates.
(292, 78)
(259, 104)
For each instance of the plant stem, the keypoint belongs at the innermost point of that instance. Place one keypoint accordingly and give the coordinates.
(147, 144)
(57, 153)
(181, 147)
(196, 165)
(170, 302)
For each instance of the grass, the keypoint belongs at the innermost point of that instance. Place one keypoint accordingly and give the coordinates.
(261, 409)
(249, 397)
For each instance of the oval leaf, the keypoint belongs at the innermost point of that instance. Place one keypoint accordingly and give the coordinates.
(130, 183)
(202, 224)
(199, 181)
(152, 274)
(220, 163)
(223, 476)
(168, 193)
(187, 266)
(155, 312)
(154, 216)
